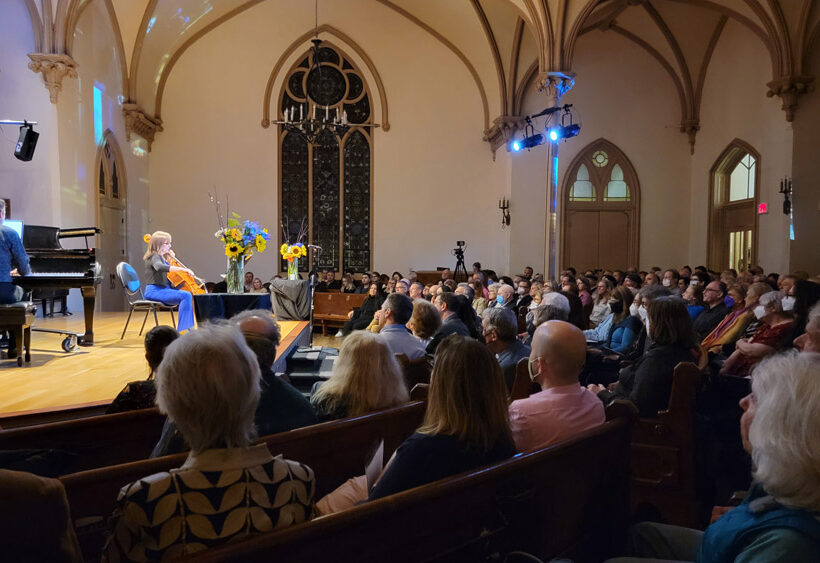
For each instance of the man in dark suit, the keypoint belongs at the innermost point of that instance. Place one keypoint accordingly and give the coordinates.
(524, 297)
(447, 304)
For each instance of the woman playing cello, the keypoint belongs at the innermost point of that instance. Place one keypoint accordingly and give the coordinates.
(157, 286)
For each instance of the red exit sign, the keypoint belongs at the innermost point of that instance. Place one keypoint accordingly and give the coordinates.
(762, 208)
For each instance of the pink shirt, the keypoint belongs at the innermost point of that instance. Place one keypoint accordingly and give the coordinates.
(554, 415)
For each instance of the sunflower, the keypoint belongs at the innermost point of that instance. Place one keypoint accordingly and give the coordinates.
(233, 250)
(147, 239)
(235, 234)
(261, 244)
(304, 250)
(283, 250)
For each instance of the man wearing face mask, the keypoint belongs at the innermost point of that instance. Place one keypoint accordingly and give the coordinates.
(562, 408)
(506, 297)
(524, 297)
(670, 281)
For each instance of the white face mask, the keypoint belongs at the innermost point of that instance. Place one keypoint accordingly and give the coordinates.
(760, 312)
(667, 282)
(633, 309)
(642, 313)
(788, 303)
(522, 291)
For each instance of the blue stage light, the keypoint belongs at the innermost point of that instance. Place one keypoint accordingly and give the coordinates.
(554, 135)
(527, 142)
(515, 145)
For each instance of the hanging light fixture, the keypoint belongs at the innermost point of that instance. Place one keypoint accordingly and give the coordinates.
(308, 124)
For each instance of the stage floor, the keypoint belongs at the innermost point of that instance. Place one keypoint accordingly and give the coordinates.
(55, 379)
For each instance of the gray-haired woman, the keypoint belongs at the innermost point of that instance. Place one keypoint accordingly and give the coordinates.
(208, 385)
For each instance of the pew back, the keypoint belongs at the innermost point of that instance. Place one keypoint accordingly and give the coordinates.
(569, 500)
(331, 309)
(98, 441)
(336, 451)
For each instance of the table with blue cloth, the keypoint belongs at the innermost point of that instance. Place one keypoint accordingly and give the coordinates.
(210, 306)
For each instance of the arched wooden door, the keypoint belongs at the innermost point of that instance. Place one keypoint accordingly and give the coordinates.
(600, 210)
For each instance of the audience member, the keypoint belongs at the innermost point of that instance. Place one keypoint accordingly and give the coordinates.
(465, 425)
(801, 297)
(670, 281)
(330, 282)
(361, 317)
(733, 325)
(536, 292)
(446, 274)
(785, 283)
(714, 311)
(141, 394)
(600, 307)
(633, 281)
(524, 298)
(249, 282)
(395, 314)
(258, 286)
(364, 286)
(448, 306)
(650, 279)
(479, 301)
(693, 297)
(425, 321)
(777, 520)
(648, 382)
(618, 332)
(500, 329)
(528, 272)
(773, 335)
(366, 378)
(584, 287)
(562, 408)
(416, 290)
(506, 297)
(809, 341)
(348, 285)
(210, 370)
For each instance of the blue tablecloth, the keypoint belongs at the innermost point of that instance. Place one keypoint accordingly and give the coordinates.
(209, 306)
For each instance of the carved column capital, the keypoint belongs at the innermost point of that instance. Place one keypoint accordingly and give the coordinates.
(789, 88)
(139, 123)
(54, 68)
(502, 131)
(555, 84)
(691, 128)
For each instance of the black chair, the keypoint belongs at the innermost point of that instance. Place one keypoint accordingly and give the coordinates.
(136, 300)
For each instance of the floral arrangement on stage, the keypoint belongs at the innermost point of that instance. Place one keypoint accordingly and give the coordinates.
(242, 239)
(292, 252)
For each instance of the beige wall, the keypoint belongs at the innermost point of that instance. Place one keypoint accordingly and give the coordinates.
(435, 181)
(735, 106)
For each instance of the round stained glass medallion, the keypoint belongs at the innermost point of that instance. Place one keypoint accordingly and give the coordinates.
(600, 159)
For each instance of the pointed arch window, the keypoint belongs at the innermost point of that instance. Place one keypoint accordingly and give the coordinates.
(582, 188)
(328, 183)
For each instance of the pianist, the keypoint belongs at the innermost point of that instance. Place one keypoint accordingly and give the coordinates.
(156, 277)
(12, 256)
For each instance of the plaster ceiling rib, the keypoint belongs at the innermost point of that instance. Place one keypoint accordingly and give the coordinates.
(782, 30)
(707, 57)
(135, 56)
(802, 40)
(740, 18)
(36, 25)
(166, 71)
(447, 43)
(493, 44)
(515, 55)
(526, 80)
(680, 59)
(780, 57)
(49, 45)
(660, 58)
(576, 30)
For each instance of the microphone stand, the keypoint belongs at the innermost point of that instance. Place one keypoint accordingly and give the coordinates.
(313, 281)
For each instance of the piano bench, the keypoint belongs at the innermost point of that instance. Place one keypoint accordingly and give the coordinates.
(17, 318)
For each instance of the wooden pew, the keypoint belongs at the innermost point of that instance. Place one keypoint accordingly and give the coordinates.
(570, 500)
(331, 309)
(663, 454)
(336, 451)
(98, 440)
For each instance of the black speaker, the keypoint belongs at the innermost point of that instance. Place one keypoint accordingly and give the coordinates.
(26, 143)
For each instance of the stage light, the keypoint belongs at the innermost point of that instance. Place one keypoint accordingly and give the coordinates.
(527, 142)
(564, 132)
(554, 136)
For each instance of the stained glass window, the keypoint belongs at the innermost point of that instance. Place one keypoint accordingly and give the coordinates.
(328, 183)
(616, 189)
(600, 159)
(582, 189)
(742, 179)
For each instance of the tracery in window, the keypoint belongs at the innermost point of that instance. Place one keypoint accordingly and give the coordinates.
(742, 179)
(329, 183)
(616, 188)
(582, 188)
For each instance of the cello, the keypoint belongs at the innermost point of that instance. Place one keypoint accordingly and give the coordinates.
(184, 280)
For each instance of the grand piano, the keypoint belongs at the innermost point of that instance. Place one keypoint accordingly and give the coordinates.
(54, 267)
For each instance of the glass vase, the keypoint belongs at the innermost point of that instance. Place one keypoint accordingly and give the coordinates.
(235, 275)
(293, 269)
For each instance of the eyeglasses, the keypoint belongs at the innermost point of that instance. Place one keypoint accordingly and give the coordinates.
(711, 289)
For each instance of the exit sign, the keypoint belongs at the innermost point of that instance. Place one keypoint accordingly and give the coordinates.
(762, 208)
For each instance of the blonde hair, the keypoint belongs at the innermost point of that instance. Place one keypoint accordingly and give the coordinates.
(157, 240)
(208, 385)
(366, 377)
(784, 434)
(467, 397)
(425, 319)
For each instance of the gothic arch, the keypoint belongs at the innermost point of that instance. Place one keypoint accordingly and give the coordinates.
(599, 213)
(720, 204)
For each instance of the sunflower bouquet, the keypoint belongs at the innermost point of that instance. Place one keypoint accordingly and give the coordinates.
(242, 239)
(293, 251)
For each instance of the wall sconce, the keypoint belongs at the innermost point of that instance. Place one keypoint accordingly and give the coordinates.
(786, 190)
(504, 206)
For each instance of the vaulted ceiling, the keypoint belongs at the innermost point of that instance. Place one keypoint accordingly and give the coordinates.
(505, 44)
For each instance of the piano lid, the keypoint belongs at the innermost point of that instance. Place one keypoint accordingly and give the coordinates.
(79, 232)
(48, 238)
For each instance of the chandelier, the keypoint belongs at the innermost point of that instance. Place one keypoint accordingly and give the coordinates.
(310, 122)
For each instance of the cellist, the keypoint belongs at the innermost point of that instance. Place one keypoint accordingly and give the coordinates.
(157, 286)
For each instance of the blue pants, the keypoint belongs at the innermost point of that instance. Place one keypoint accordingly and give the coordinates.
(169, 296)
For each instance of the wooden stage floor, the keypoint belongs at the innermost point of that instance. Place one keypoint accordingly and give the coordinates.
(55, 379)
